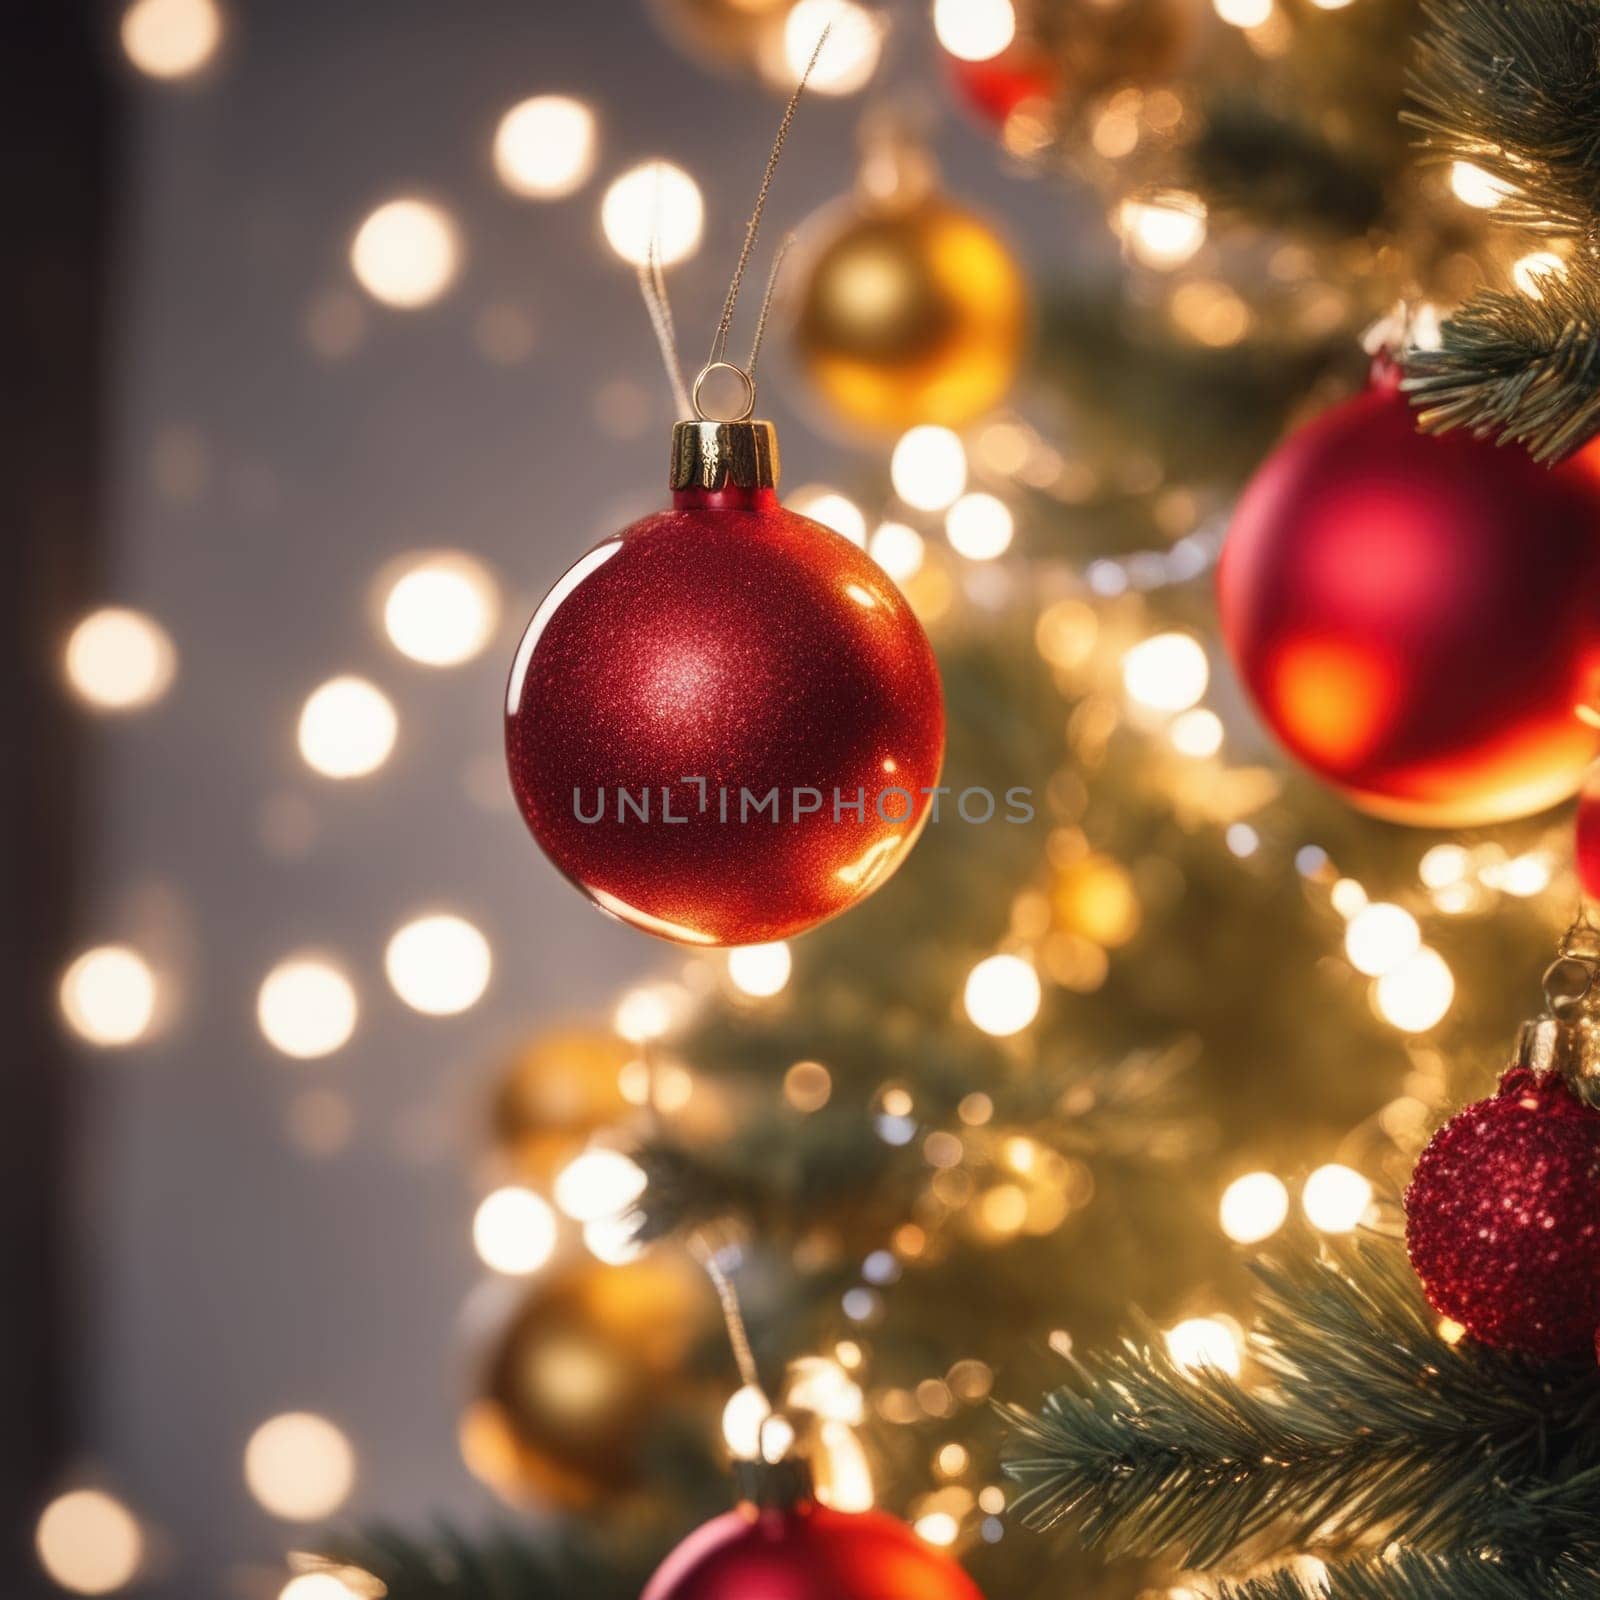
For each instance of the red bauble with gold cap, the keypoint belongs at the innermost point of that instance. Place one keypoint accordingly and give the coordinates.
(785, 1546)
(1418, 616)
(724, 723)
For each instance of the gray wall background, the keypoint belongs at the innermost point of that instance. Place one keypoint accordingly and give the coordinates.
(257, 488)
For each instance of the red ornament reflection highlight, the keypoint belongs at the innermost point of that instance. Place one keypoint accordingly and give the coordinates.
(807, 1553)
(1503, 1218)
(723, 649)
(1418, 617)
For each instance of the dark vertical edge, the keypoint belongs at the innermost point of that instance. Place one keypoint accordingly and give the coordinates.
(55, 129)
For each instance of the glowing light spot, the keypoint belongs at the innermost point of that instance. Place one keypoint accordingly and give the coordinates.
(1196, 733)
(88, 1542)
(347, 728)
(1379, 937)
(899, 550)
(108, 995)
(1416, 995)
(1532, 271)
(1335, 1198)
(599, 1183)
(1475, 187)
(306, 1007)
(299, 1466)
(1451, 1331)
(850, 56)
(119, 660)
(1347, 897)
(1523, 876)
(979, 527)
(1168, 672)
(1444, 865)
(442, 610)
(1198, 1343)
(1163, 231)
(974, 30)
(514, 1231)
(832, 510)
(742, 1418)
(406, 253)
(845, 1478)
(171, 38)
(612, 1240)
(658, 201)
(937, 1528)
(1243, 13)
(650, 1011)
(929, 467)
(438, 964)
(545, 147)
(1002, 995)
(807, 1086)
(759, 970)
(319, 1586)
(1253, 1207)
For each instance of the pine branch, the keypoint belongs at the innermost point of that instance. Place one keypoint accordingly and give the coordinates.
(1517, 368)
(1513, 86)
(1372, 1424)
(1412, 1576)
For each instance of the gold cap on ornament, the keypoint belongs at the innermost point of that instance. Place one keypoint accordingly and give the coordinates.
(719, 455)
(1566, 1038)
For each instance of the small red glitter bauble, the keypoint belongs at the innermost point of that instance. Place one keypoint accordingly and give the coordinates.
(1373, 580)
(724, 722)
(1503, 1218)
(807, 1553)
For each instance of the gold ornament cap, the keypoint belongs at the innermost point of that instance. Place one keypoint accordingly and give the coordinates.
(720, 455)
(773, 1485)
(1566, 1038)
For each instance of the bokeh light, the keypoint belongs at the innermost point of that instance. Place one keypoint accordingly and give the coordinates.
(649, 1011)
(1380, 936)
(514, 1231)
(1002, 995)
(406, 253)
(545, 146)
(599, 1183)
(849, 58)
(613, 1240)
(1475, 187)
(108, 995)
(1164, 230)
(831, 509)
(1253, 1207)
(929, 467)
(759, 970)
(1243, 13)
(88, 1542)
(974, 30)
(937, 1528)
(899, 550)
(442, 609)
(1196, 733)
(438, 964)
(979, 527)
(807, 1086)
(1167, 672)
(171, 38)
(1198, 1343)
(347, 728)
(1417, 994)
(1335, 1198)
(742, 1418)
(306, 1007)
(323, 1586)
(299, 1466)
(653, 201)
(1531, 272)
(118, 659)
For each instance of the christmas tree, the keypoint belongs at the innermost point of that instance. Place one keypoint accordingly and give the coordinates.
(1065, 1064)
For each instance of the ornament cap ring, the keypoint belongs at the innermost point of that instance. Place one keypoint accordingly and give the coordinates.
(747, 384)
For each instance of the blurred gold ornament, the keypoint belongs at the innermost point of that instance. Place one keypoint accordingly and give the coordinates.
(1095, 898)
(741, 35)
(911, 309)
(589, 1371)
(563, 1087)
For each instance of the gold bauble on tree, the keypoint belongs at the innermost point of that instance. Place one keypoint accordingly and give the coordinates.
(588, 1378)
(563, 1086)
(911, 308)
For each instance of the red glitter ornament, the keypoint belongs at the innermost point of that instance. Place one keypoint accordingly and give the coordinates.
(1503, 1218)
(807, 1552)
(1417, 616)
(724, 723)
(1587, 833)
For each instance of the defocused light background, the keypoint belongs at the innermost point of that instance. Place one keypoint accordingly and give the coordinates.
(377, 377)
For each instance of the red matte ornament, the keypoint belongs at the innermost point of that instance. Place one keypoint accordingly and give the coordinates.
(1503, 1218)
(807, 1552)
(995, 88)
(1417, 616)
(723, 723)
